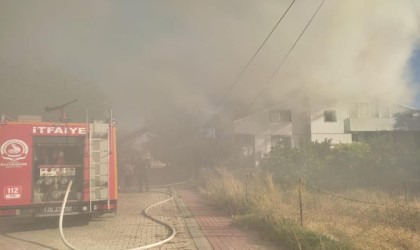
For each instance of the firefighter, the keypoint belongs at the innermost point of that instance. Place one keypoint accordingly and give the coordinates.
(142, 166)
(128, 172)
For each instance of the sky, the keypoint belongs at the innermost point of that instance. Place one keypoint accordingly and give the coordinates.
(179, 57)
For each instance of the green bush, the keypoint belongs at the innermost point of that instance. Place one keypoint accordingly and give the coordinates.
(378, 162)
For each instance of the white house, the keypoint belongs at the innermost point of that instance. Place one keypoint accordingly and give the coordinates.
(340, 122)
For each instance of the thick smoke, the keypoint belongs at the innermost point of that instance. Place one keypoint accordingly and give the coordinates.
(356, 50)
(353, 50)
(177, 58)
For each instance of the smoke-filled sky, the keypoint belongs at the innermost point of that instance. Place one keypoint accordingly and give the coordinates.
(179, 57)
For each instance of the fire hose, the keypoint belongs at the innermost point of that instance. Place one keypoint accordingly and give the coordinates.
(145, 212)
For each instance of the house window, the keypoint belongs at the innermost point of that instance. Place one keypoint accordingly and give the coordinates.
(280, 115)
(330, 116)
(283, 141)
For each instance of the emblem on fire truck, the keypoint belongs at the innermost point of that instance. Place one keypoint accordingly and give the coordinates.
(14, 150)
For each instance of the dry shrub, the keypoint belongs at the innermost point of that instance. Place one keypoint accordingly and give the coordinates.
(225, 190)
(261, 204)
(379, 222)
(266, 198)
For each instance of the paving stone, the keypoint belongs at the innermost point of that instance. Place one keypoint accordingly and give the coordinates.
(127, 229)
(198, 226)
(217, 227)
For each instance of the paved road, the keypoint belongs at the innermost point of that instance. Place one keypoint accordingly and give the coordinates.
(127, 229)
(217, 227)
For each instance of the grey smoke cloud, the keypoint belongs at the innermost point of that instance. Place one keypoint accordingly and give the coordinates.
(176, 58)
(353, 50)
(359, 49)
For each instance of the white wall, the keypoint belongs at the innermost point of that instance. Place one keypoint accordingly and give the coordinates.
(335, 138)
(259, 124)
(308, 124)
(321, 130)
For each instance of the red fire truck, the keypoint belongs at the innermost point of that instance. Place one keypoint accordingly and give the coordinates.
(38, 160)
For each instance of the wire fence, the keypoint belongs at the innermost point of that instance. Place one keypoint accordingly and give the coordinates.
(356, 200)
(370, 219)
(360, 215)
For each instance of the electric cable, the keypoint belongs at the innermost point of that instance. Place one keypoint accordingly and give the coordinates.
(253, 57)
(235, 82)
(285, 58)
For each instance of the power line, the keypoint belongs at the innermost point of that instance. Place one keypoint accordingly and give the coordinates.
(287, 55)
(253, 57)
(235, 82)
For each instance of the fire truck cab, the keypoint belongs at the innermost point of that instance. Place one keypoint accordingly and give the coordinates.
(38, 160)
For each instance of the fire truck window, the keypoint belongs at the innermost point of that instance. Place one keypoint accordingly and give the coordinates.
(58, 150)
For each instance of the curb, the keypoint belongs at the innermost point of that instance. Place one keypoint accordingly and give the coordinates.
(194, 229)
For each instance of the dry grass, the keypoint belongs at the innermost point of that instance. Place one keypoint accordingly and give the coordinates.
(367, 226)
(329, 222)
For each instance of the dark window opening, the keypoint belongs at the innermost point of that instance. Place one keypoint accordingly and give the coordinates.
(280, 115)
(330, 116)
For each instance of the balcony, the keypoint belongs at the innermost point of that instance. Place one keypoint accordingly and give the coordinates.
(402, 123)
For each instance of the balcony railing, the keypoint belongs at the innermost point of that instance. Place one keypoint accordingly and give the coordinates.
(382, 124)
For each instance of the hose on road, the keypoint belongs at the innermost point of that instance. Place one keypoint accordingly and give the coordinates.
(145, 212)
